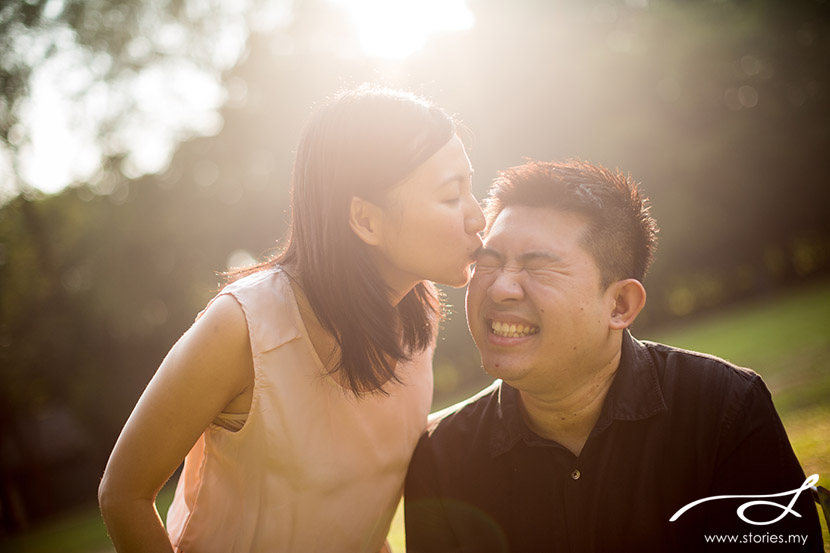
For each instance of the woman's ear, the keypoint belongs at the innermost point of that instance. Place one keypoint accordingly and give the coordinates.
(365, 219)
(629, 297)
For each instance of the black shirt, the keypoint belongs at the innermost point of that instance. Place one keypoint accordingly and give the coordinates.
(675, 427)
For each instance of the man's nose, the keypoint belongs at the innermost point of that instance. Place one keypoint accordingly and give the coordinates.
(507, 285)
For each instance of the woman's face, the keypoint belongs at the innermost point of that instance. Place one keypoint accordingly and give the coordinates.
(430, 225)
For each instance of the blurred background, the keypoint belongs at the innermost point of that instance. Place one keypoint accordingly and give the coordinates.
(147, 145)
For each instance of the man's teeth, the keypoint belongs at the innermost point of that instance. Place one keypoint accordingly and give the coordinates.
(512, 330)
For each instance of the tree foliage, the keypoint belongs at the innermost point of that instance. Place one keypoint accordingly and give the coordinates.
(105, 56)
(718, 108)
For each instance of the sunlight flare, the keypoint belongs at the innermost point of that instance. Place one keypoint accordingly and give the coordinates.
(395, 29)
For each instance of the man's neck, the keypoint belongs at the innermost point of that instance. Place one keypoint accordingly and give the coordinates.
(568, 416)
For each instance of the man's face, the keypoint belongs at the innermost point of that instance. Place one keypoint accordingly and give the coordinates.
(535, 306)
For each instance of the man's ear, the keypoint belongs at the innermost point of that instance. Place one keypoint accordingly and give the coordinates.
(365, 219)
(629, 298)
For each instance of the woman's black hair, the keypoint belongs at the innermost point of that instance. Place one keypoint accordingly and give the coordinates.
(360, 143)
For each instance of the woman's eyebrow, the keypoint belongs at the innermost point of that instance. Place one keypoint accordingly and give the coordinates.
(455, 177)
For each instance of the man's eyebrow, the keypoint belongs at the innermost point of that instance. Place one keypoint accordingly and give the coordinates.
(533, 255)
(540, 255)
(489, 252)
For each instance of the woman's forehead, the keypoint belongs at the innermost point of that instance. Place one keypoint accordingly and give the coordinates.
(449, 164)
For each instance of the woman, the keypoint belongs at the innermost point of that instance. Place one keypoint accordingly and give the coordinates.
(299, 393)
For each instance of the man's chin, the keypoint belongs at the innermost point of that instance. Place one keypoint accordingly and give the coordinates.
(504, 371)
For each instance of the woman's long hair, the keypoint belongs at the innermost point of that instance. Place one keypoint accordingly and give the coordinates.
(361, 143)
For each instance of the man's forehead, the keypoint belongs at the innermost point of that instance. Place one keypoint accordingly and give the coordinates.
(534, 226)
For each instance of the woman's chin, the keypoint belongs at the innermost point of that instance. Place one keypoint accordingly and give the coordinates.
(459, 280)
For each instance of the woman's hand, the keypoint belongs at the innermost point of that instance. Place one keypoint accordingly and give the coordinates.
(207, 368)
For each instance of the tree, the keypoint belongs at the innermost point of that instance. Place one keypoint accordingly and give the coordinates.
(109, 59)
(105, 58)
(96, 282)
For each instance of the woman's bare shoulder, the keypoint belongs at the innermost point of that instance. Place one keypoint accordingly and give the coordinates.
(219, 339)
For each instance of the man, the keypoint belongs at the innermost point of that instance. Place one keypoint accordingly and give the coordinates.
(591, 441)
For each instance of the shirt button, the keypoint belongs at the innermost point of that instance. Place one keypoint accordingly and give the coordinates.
(575, 474)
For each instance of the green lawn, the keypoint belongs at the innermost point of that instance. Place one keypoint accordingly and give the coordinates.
(786, 339)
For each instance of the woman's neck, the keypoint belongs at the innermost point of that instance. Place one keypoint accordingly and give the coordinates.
(324, 343)
(321, 340)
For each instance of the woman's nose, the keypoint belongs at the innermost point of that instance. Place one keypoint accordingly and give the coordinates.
(474, 218)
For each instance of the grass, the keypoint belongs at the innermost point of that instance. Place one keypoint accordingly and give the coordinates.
(786, 339)
(80, 531)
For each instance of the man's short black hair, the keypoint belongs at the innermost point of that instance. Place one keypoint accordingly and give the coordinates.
(621, 233)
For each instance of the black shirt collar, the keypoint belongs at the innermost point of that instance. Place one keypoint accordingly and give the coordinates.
(635, 394)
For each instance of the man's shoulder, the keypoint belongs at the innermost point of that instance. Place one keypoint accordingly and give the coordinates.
(465, 416)
(468, 409)
(686, 371)
(695, 363)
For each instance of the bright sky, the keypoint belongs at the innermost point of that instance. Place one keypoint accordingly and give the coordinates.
(172, 99)
(67, 108)
(398, 28)
(168, 100)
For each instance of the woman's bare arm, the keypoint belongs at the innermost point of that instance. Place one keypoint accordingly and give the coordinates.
(207, 368)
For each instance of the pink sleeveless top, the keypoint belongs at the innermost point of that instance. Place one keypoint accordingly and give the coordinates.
(312, 468)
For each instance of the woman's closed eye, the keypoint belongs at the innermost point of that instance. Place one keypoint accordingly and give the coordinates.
(455, 190)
